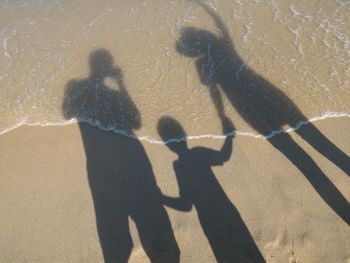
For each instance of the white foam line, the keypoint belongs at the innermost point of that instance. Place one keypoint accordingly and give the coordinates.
(11, 128)
(325, 115)
(150, 139)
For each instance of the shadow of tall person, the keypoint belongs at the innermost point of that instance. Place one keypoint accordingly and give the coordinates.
(263, 106)
(222, 224)
(119, 172)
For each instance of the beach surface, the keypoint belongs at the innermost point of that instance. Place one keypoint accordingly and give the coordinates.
(47, 211)
(117, 121)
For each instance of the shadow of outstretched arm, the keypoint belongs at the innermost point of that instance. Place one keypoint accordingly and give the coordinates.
(177, 203)
(229, 132)
(216, 158)
(216, 97)
(228, 128)
(184, 202)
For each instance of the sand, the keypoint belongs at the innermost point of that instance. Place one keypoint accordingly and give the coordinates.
(75, 193)
(47, 210)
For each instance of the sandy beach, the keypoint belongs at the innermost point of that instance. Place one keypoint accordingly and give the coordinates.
(47, 210)
(175, 131)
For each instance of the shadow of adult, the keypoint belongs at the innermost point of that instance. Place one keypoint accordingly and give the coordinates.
(222, 224)
(119, 172)
(263, 106)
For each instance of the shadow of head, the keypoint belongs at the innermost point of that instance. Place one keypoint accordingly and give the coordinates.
(101, 61)
(170, 129)
(93, 101)
(195, 42)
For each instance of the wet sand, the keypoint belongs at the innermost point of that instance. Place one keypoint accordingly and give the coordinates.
(300, 48)
(48, 214)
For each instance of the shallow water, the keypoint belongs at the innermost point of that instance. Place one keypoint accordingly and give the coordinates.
(303, 49)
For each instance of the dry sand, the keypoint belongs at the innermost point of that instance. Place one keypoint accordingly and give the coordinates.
(47, 211)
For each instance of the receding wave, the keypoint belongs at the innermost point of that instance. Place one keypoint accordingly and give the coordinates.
(301, 49)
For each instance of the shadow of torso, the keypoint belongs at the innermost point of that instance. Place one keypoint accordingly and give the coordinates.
(263, 106)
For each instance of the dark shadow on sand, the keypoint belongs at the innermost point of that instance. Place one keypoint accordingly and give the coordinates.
(119, 172)
(263, 106)
(221, 222)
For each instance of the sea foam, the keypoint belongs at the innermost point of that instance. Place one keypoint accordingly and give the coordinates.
(153, 140)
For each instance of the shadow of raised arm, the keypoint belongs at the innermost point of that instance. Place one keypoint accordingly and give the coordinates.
(130, 109)
(219, 23)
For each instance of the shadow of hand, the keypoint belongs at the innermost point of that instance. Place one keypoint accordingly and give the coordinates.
(227, 126)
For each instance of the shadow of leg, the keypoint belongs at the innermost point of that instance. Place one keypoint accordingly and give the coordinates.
(114, 237)
(324, 187)
(322, 144)
(155, 232)
(229, 237)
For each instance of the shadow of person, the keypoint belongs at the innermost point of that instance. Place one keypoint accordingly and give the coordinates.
(119, 172)
(222, 224)
(263, 106)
